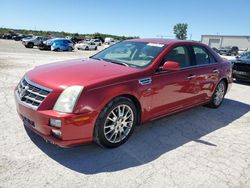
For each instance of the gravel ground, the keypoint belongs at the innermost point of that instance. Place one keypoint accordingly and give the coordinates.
(200, 147)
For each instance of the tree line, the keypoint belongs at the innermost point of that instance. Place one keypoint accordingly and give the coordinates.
(180, 31)
(62, 34)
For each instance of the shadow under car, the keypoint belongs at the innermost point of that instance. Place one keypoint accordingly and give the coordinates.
(147, 142)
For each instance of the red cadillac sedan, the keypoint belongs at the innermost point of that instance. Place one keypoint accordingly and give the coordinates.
(103, 98)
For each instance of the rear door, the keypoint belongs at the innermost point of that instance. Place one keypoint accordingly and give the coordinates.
(207, 71)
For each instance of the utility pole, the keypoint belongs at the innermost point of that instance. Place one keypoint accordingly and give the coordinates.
(190, 36)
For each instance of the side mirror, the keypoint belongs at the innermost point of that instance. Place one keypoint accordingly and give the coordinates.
(171, 66)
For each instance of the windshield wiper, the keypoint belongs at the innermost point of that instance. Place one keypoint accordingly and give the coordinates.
(116, 62)
(96, 58)
(111, 61)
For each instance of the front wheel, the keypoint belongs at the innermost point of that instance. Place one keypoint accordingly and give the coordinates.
(116, 123)
(218, 95)
(30, 45)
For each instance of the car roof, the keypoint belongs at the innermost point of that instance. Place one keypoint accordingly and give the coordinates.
(165, 41)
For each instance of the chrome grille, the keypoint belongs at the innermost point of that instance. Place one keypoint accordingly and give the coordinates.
(241, 67)
(31, 94)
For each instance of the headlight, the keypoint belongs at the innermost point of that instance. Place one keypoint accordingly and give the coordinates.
(66, 101)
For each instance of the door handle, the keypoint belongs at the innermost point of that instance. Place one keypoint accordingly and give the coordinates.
(192, 76)
(216, 71)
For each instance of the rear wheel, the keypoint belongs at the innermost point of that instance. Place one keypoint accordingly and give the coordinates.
(116, 123)
(70, 49)
(87, 48)
(95, 48)
(218, 95)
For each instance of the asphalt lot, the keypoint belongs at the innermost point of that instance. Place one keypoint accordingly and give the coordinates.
(200, 147)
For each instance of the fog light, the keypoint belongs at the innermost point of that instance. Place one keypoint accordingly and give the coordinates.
(55, 123)
(56, 133)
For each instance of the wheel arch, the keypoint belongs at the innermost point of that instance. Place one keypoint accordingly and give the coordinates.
(134, 99)
(128, 96)
(226, 82)
(137, 105)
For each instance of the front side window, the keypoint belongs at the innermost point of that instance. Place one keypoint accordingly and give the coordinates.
(202, 57)
(131, 53)
(180, 55)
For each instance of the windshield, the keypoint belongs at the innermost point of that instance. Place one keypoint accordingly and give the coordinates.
(130, 53)
(245, 57)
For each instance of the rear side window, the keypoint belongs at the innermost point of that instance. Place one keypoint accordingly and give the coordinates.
(180, 55)
(202, 56)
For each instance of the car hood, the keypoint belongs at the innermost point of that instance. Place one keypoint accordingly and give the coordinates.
(60, 75)
(241, 61)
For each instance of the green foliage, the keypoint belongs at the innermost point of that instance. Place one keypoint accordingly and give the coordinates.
(180, 31)
(62, 34)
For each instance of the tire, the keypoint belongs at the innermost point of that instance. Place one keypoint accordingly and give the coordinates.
(30, 45)
(70, 49)
(56, 50)
(112, 129)
(95, 48)
(218, 95)
(87, 48)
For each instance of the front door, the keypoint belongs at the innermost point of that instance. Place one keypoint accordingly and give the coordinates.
(175, 90)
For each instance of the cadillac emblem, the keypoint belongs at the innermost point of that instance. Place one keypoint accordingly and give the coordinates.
(23, 91)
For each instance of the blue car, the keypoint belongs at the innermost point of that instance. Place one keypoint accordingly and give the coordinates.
(57, 44)
(62, 45)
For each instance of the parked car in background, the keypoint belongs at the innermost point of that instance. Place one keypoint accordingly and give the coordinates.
(46, 45)
(98, 42)
(74, 39)
(241, 67)
(86, 46)
(108, 40)
(8, 36)
(215, 49)
(62, 45)
(242, 51)
(34, 41)
(21, 36)
(229, 50)
(103, 98)
(108, 44)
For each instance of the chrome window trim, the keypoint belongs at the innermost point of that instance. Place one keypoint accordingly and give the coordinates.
(37, 85)
(186, 68)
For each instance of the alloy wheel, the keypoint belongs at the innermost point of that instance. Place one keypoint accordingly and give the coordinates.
(118, 123)
(219, 93)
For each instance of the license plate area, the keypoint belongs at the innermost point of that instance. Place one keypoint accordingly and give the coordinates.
(28, 122)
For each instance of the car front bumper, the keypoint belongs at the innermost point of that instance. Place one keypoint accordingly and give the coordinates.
(75, 129)
(241, 75)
